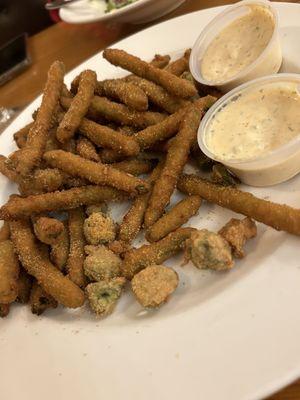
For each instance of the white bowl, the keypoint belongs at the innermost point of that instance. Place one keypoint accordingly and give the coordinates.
(85, 11)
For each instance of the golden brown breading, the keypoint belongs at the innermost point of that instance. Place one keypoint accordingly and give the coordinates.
(24, 284)
(77, 243)
(60, 249)
(174, 218)
(237, 232)
(40, 300)
(134, 166)
(156, 253)
(153, 285)
(79, 106)
(30, 156)
(19, 207)
(208, 250)
(47, 229)
(9, 272)
(101, 263)
(20, 137)
(99, 229)
(86, 149)
(97, 173)
(173, 84)
(179, 66)
(4, 231)
(48, 276)
(278, 216)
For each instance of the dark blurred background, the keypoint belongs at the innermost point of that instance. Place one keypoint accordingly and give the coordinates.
(18, 16)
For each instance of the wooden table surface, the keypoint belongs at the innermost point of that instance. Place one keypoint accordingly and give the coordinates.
(73, 44)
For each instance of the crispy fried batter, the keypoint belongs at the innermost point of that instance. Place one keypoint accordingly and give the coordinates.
(99, 229)
(47, 230)
(30, 156)
(24, 284)
(9, 272)
(77, 243)
(156, 253)
(48, 276)
(173, 219)
(79, 106)
(40, 300)
(237, 232)
(278, 216)
(104, 295)
(160, 61)
(173, 84)
(179, 66)
(4, 231)
(153, 285)
(18, 207)
(209, 250)
(101, 263)
(20, 137)
(86, 149)
(97, 173)
(60, 249)
(134, 166)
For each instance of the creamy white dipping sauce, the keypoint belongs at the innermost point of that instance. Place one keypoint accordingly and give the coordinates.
(238, 45)
(255, 122)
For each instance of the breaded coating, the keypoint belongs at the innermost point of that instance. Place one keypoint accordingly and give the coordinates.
(209, 250)
(60, 249)
(173, 219)
(119, 90)
(160, 61)
(279, 216)
(101, 107)
(30, 156)
(222, 176)
(173, 84)
(77, 243)
(236, 232)
(179, 66)
(40, 300)
(123, 91)
(156, 253)
(104, 295)
(133, 219)
(97, 208)
(177, 157)
(19, 207)
(47, 229)
(86, 149)
(99, 229)
(101, 264)
(4, 231)
(161, 131)
(20, 137)
(9, 272)
(97, 173)
(157, 95)
(47, 275)
(109, 156)
(202, 161)
(118, 247)
(153, 285)
(24, 285)
(7, 169)
(134, 166)
(4, 310)
(79, 106)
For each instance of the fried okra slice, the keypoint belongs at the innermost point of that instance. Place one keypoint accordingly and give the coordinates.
(99, 229)
(209, 250)
(153, 285)
(101, 263)
(236, 232)
(104, 295)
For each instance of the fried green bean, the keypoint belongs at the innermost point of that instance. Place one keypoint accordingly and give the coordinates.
(4, 231)
(77, 243)
(20, 137)
(86, 149)
(97, 173)
(39, 300)
(24, 285)
(180, 65)
(60, 249)
(173, 219)
(30, 156)
(79, 106)
(47, 229)
(133, 219)
(9, 272)
(177, 86)
(177, 157)
(278, 216)
(19, 207)
(134, 166)
(36, 264)
(156, 253)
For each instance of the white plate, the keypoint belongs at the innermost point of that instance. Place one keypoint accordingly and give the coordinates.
(228, 336)
(85, 11)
